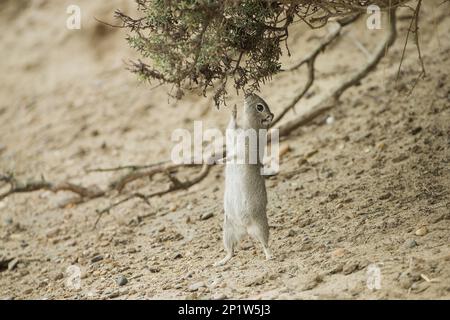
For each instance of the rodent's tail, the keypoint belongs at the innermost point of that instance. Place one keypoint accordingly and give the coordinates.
(233, 124)
(234, 113)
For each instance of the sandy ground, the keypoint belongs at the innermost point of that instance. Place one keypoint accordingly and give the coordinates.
(366, 194)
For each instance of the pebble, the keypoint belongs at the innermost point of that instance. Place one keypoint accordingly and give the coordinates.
(121, 280)
(114, 295)
(330, 120)
(28, 291)
(291, 233)
(311, 283)
(58, 276)
(336, 269)
(385, 196)
(400, 158)
(338, 253)
(405, 280)
(421, 231)
(350, 267)
(13, 264)
(97, 259)
(8, 221)
(177, 256)
(53, 232)
(416, 130)
(219, 296)
(410, 243)
(382, 146)
(206, 216)
(196, 286)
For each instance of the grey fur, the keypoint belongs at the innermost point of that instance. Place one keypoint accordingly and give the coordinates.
(245, 198)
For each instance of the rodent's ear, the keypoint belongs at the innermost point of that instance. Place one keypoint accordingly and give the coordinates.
(249, 97)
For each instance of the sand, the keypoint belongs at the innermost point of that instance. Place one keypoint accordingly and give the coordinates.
(359, 210)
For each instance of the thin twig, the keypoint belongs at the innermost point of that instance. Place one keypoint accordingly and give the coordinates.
(175, 186)
(310, 61)
(329, 102)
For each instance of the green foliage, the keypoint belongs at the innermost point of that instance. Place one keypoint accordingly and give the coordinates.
(201, 44)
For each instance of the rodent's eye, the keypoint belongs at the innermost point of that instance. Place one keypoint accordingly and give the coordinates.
(259, 107)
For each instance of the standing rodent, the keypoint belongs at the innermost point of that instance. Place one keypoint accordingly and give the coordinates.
(245, 198)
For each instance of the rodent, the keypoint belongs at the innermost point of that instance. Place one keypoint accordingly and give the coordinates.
(245, 197)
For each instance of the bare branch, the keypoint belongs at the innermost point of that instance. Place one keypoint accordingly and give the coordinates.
(30, 186)
(328, 103)
(175, 186)
(414, 28)
(310, 61)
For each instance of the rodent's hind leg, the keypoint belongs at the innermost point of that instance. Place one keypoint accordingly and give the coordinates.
(261, 234)
(230, 239)
(224, 260)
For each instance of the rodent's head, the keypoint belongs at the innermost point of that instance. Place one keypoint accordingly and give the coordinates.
(257, 112)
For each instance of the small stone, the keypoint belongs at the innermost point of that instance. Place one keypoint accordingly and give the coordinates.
(154, 269)
(196, 286)
(113, 295)
(330, 120)
(410, 243)
(421, 231)
(338, 253)
(177, 255)
(206, 216)
(336, 269)
(58, 276)
(420, 286)
(219, 296)
(385, 196)
(8, 221)
(313, 282)
(121, 280)
(291, 233)
(333, 196)
(416, 130)
(382, 146)
(97, 259)
(400, 158)
(28, 291)
(350, 267)
(405, 280)
(13, 264)
(53, 232)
